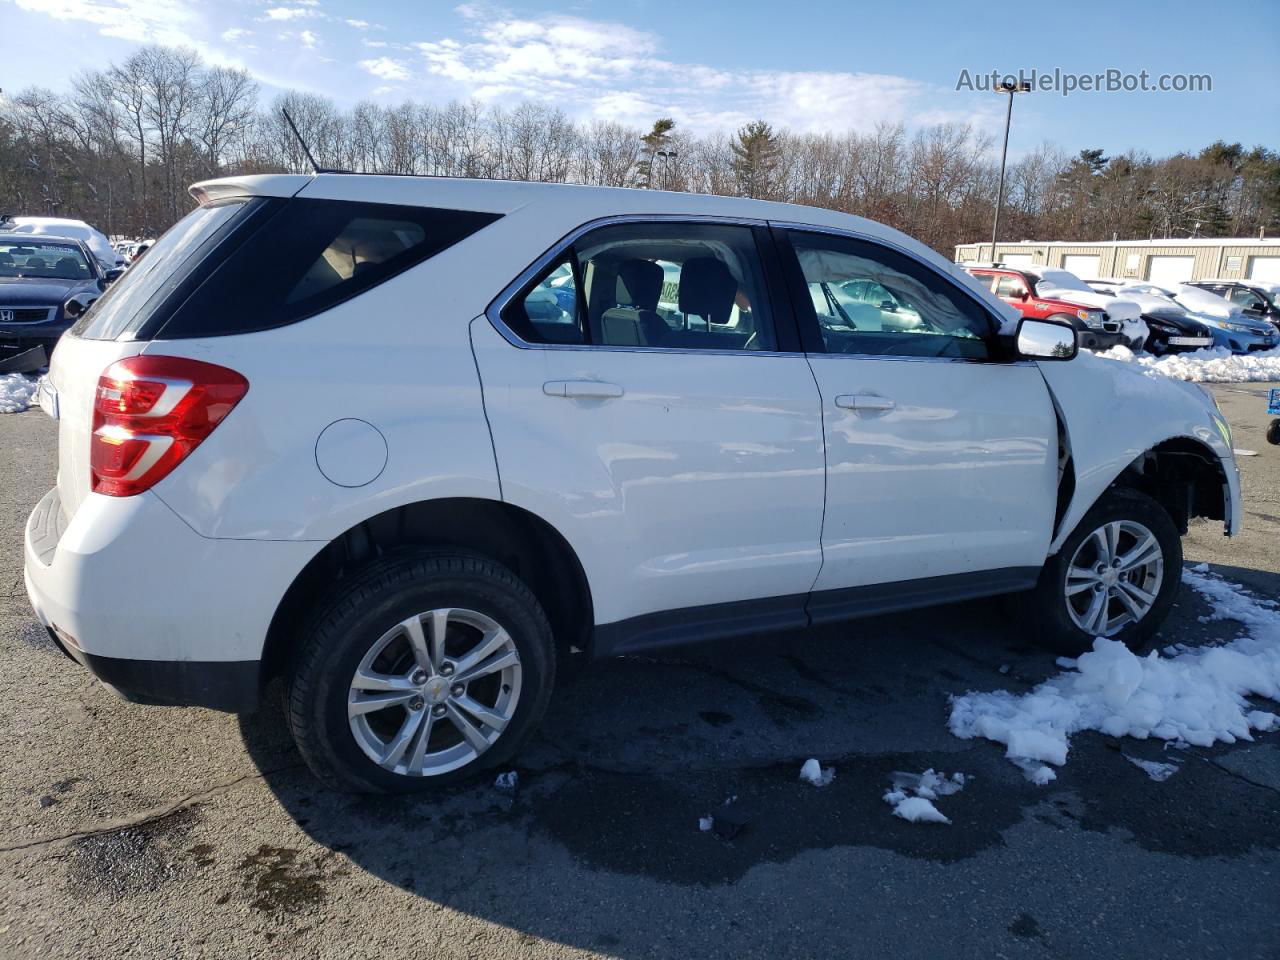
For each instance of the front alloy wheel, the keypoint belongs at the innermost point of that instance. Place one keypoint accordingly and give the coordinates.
(1114, 577)
(434, 692)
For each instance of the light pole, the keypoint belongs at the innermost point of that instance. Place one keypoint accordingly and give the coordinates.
(667, 156)
(1009, 88)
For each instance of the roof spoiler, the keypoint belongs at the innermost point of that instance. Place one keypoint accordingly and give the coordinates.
(257, 185)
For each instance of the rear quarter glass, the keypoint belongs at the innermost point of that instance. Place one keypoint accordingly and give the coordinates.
(130, 304)
(304, 256)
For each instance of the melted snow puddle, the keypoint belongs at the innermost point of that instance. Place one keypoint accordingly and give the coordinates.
(1195, 696)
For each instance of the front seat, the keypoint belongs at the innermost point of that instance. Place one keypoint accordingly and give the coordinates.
(707, 290)
(635, 321)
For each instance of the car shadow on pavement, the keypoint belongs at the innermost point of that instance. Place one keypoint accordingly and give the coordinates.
(636, 750)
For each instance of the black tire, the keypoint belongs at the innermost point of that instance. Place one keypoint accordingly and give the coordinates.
(362, 610)
(1044, 609)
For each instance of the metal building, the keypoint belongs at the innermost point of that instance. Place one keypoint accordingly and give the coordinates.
(1159, 261)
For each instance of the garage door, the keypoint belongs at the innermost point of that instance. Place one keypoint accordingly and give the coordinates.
(1084, 266)
(1264, 268)
(1167, 271)
(1018, 259)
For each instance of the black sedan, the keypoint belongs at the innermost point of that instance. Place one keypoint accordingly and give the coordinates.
(46, 283)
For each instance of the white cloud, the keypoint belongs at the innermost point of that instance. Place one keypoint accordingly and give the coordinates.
(385, 68)
(606, 70)
(358, 24)
(290, 13)
(309, 39)
(376, 44)
(235, 33)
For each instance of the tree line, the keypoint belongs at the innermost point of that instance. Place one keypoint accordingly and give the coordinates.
(120, 146)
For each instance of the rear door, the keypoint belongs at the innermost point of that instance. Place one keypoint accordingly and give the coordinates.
(941, 458)
(647, 397)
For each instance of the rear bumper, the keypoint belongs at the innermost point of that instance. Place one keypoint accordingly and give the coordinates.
(157, 612)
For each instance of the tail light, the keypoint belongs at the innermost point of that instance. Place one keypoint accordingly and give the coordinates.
(150, 413)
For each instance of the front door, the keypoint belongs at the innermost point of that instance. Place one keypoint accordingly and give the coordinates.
(941, 458)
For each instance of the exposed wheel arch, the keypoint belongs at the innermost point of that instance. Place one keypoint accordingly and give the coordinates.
(1184, 475)
(521, 541)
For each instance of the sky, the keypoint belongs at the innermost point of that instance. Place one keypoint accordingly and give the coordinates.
(811, 66)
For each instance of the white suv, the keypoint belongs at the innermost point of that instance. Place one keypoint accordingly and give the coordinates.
(408, 443)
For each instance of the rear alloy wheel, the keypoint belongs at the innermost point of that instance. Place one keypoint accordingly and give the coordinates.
(1115, 577)
(435, 692)
(422, 670)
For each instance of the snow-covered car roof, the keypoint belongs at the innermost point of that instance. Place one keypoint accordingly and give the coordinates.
(1271, 286)
(67, 229)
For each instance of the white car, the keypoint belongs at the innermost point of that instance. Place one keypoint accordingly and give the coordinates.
(412, 444)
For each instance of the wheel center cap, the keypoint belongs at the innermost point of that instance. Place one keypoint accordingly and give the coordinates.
(1109, 577)
(436, 690)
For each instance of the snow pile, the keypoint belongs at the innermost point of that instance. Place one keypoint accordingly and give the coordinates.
(912, 795)
(1196, 696)
(16, 392)
(813, 773)
(1215, 365)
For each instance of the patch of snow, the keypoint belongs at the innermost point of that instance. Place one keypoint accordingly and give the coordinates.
(705, 824)
(912, 794)
(1212, 365)
(507, 781)
(918, 810)
(813, 773)
(1245, 453)
(1038, 773)
(1197, 696)
(1200, 568)
(16, 392)
(1159, 772)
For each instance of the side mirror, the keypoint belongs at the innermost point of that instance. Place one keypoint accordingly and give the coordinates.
(112, 275)
(1042, 340)
(76, 306)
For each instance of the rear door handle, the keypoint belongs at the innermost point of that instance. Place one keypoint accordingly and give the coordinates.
(864, 401)
(581, 388)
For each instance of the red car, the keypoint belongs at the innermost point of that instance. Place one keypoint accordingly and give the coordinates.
(1096, 328)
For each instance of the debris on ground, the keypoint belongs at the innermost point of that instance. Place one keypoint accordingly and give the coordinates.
(1199, 695)
(508, 782)
(705, 823)
(813, 773)
(1159, 772)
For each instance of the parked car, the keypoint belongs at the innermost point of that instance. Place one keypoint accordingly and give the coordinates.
(344, 446)
(1047, 293)
(1229, 327)
(45, 284)
(1172, 327)
(1260, 298)
(96, 241)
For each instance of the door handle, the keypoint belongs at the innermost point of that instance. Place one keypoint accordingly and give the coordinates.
(864, 401)
(581, 388)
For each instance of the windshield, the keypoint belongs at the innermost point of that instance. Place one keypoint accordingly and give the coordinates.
(1062, 280)
(49, 261)
(123, 308)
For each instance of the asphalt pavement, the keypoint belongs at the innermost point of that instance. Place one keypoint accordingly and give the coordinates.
(154, 832)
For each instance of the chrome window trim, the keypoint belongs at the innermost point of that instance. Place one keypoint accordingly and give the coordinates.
(499, 303)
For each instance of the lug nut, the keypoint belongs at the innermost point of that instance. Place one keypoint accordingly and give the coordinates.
(419, 676)
(446, 669)
(417, 703)
(438, 710)
(458, 690)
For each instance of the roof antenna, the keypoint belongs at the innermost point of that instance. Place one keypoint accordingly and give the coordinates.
(315, 167)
